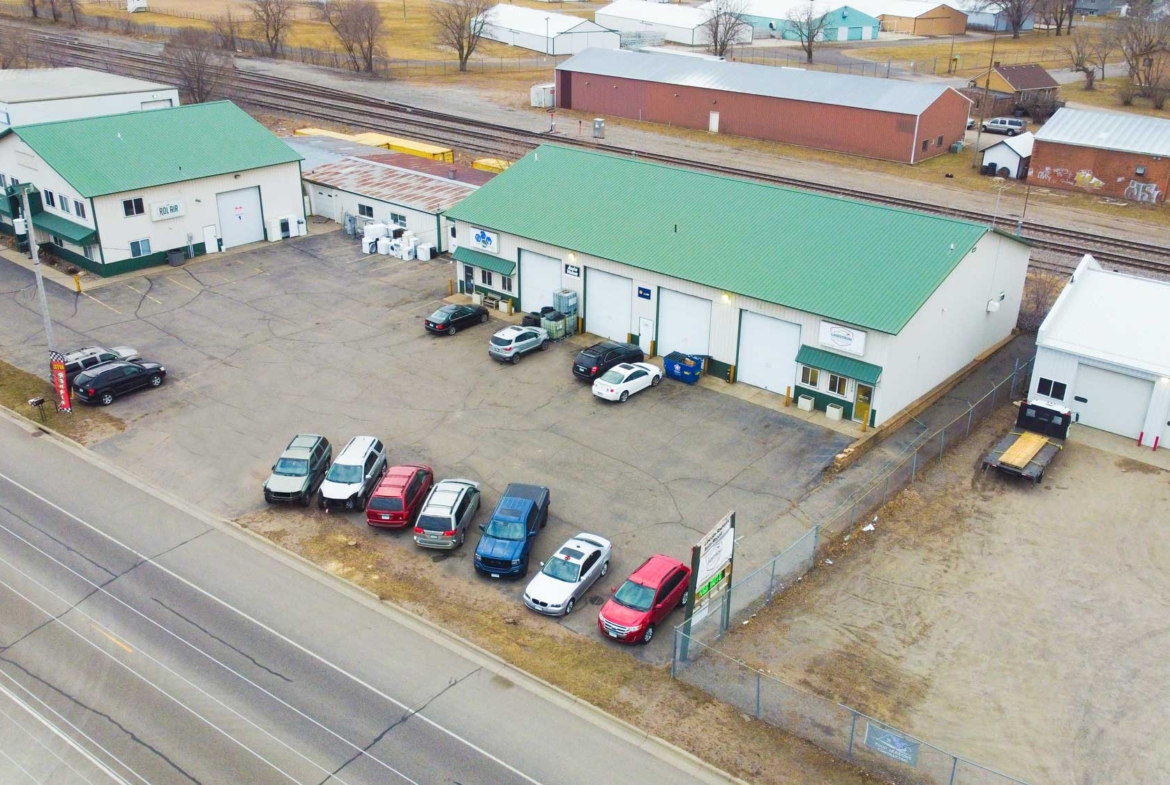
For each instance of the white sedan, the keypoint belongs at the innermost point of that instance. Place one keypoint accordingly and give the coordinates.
(622, 381)
(564, 579)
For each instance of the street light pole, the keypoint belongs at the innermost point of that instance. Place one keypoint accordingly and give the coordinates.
(36, 259)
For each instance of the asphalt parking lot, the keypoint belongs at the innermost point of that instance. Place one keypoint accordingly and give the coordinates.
(313, 336)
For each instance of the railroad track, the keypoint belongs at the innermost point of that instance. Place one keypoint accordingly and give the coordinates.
(1062, 248)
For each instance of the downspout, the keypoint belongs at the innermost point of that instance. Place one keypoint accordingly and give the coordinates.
(914, 144)
(93, 212)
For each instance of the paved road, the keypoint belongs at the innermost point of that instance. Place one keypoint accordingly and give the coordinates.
(140, 643)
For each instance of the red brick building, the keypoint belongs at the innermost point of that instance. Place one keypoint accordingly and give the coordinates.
(1107, 153)
(859, 115)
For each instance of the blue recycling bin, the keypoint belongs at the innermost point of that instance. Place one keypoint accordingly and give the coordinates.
(687, 368)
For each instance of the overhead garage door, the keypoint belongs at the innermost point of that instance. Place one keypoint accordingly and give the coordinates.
(684, 323)
(1112, 401)
(540, 276)
(608, 308)
(240, 221)
(767, 351)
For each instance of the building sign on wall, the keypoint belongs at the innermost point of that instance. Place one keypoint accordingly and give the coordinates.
(483, 240)
(644, 292)
(573, 270)
(162, 211)
(843, 339)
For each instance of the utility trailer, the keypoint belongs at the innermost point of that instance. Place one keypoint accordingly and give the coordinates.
(1038, 437)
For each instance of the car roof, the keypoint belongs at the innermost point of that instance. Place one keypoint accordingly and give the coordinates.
(443, 499)
(576, 550)
(355, 451)
(89, 351)
(655, 569)
(304, 441)
(104, 368)
(396, 479)
(625, 367)
(511, 330)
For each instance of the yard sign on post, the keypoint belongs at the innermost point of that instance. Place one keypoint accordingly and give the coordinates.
(711, 578)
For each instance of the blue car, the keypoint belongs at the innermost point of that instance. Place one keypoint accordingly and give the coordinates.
(506, 544)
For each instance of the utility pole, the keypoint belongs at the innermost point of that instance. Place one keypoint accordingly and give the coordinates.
(32, 247)
(986, 90)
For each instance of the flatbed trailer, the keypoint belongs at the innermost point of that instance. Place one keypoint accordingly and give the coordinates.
(1037, 438)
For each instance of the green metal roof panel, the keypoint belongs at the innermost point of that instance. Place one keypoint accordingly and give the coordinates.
(484, 260)
(63, 227)
(128, 152)
(866, 264)
(839, 364)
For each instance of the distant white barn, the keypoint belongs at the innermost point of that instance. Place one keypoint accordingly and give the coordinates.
(545, 31)
(681, 24)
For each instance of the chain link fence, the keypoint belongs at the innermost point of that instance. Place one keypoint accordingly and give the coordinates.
(836, 728)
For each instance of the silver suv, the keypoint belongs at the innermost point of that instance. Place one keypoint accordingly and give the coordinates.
(511, 342)
(92, 356)
(299, 471)
(447, 514)
(1005, 125)
(354, 475)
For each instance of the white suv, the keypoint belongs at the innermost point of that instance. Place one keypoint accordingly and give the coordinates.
(1005, 125)
(354, 474)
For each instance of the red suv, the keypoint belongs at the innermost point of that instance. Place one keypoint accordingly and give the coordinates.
(399, 497)
(645, 599)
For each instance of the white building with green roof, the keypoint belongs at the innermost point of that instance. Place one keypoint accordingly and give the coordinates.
(118, 192)
(852, 304)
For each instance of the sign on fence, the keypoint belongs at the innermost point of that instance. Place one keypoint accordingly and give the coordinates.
(710, 588)
(892, 745)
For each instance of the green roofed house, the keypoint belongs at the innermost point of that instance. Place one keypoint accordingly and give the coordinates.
(859, 308)
(127, 191)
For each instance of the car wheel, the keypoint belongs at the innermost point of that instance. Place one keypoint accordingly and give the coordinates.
(685, 598)
(106, 399)
(654, 382)
(648, 635)
(524, 570)
(483, 319)
(453, 330)
(625, 396)
(604, 568)
(515, 359)
(267, 497)
(984, 128)
(544, 346)
(155, 380)
(350, 503)
(1011, 132)
(305, 498)
(320, 501)
(462, 539)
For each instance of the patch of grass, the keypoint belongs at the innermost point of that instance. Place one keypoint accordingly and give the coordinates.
(86, 424)
(974, 52)
(1106, 95)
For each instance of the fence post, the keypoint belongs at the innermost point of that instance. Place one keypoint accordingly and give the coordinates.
(914, 467)
(772, 579)
(816, 538)
(674, 655)
(852, 731)
(759, 677)
(1015, 372)
(886, 496)
(954, 767)
(970, 414)
(942, 438)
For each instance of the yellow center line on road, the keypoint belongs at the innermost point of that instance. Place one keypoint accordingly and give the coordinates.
(144, 294)
(176, 282)
(104, 305)
(111, 638)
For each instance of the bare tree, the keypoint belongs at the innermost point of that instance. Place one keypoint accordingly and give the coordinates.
(358, 25)
(227, 30)
(1041, 289)
(724, 25)
(14, 51)
(459, 25)
(1104, 46)
(807, 22)
(202, 69)
(1143, 37)
(1053, 14)
(35, 8)
(74, 9)
(1079, 51)
(1070, 13)
(1016, 13)
(272, 20)
(54, 13)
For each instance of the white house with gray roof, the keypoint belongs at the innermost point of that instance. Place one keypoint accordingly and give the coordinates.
(45, 95)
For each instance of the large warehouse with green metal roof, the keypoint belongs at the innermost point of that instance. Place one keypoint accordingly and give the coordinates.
(122, 192)
(850, 304)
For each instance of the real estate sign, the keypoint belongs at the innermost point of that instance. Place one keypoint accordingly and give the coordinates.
(710, 590)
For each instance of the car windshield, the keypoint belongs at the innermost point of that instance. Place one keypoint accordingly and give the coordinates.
(505, 530)
(613, 377)
(562, 570)
(635, 595)
(499, 340)
(435, 523)
(386, 503)
(291, 467)
(340, 472)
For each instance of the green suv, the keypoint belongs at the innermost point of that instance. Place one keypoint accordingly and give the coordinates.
(299, 471)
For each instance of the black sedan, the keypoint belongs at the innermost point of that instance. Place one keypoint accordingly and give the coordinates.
(105, 382)
(449, 319)
(600, 357)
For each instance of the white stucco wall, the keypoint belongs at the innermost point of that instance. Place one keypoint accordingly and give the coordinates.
(30, 112)
(333, 203)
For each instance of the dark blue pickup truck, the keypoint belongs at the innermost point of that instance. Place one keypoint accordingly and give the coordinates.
(506, 544)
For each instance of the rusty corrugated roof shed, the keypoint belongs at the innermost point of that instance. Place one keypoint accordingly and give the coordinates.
(427, 192)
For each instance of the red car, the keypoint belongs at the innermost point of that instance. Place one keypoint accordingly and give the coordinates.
(398, 498)
(645, 599)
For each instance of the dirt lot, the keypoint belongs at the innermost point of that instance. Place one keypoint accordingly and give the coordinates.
(1022, 628)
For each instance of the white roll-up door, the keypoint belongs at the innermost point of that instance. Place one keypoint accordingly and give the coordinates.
(684, 323)
(1111, 401)
(162, 103)
(240, 221)
(767, 352)
(540, 276)
(608, 304)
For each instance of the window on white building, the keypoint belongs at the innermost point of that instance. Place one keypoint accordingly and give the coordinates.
(398, 220)
(88, 251)
(485, 277)
(3, 181)
(79, 208)
(133, 207)
(140, 248)
(57, 241)
(50, 199)
(1051, 389)
(64, 205)
(365, 210)
(810, 377)
(506, 283)
(838, 384)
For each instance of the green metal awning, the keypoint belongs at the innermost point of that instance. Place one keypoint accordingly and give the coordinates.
(74, 233)
(839, 364)
(484, 260)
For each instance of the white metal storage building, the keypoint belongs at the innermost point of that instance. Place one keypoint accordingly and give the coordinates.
(1011, 155)
(1103, 353)
(855, 305)
(682, 24)
(118, 192)
(45, 95)
(544, 31)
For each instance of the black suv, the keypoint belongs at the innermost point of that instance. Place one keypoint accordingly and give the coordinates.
(102, 383)
(600, 357)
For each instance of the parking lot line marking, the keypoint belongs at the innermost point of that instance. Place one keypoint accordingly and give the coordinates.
(111, 638)
(262, 272)
(144, 294)
(104, 305)
(383, 267)
(177, 282)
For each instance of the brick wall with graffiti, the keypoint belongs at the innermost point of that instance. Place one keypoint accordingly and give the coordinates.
(1136, 178)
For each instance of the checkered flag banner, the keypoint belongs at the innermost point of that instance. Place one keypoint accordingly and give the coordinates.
(60, 382)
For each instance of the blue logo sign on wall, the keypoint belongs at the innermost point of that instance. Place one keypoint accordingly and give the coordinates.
(483, 238)
(643, 292)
